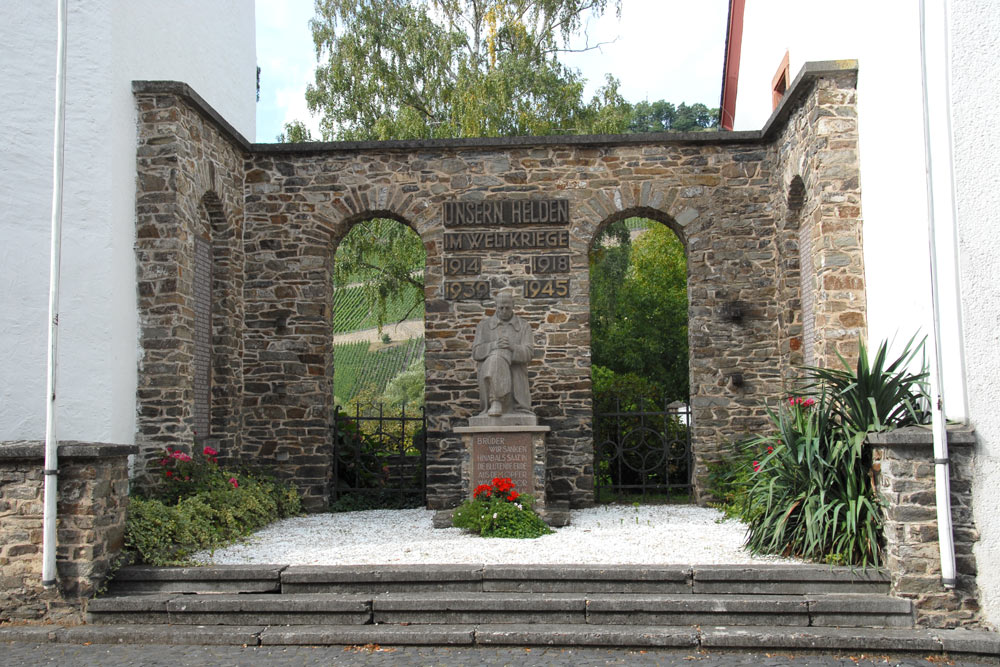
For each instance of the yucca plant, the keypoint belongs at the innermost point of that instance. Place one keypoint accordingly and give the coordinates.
(877, 395)
(813, 494)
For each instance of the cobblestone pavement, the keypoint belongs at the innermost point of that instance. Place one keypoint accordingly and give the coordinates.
(17, 653)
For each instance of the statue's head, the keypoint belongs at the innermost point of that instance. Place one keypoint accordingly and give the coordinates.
(505, 306)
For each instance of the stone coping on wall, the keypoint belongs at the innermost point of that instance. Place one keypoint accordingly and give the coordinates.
(809, 73)
(35, 449)
(922, 436)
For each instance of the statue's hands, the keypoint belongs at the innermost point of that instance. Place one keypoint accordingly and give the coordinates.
(503, 343)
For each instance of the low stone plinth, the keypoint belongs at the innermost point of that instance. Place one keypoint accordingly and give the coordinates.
(903, 464)
(90, 529)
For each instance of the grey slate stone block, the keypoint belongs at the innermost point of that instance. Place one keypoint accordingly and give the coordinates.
(587, 579)
(786, 580)
(269, 609)
(191, 635)
(35, 634)
(855, 639)
(577, 635)
(969, 641)
(479, 608)
(327, 635)
(381, 579)
(211, 579)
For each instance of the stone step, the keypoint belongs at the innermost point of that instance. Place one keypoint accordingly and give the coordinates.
(714, 638)
(458, 608)
(207, 579)
(227, 609)
(713, 579)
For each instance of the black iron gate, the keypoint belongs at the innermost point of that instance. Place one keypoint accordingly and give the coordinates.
(643, 448)
(379, 457)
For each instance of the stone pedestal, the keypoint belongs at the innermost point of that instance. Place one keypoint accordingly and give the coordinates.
(903, 463)
(508, 450)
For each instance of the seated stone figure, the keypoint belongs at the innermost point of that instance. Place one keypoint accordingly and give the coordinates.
(503, 347)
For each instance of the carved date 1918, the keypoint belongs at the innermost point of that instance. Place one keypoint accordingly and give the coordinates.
(549, 263)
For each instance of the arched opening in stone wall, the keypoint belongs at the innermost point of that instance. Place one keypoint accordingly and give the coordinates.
(378, 364)
(639, 360)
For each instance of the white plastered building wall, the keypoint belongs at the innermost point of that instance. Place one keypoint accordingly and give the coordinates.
(110, 43)
(885, 39)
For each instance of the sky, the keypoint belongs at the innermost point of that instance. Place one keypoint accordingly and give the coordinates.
(660, 49)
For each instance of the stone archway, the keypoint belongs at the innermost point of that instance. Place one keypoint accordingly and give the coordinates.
(532, 208)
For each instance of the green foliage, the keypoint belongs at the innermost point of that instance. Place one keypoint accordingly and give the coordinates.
(662, 116)
(407, 388)
(729, 480)
(812, 493)
(496, 510)
(877, 395)
(361, 368)
(295, 132)
(405, 69)
(210, 508)
(639, 307)
(380, 264)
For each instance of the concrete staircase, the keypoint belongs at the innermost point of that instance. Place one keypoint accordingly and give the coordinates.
(780, 606)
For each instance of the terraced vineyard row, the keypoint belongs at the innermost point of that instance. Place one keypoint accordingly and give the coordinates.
(357, 365)
(350, 312)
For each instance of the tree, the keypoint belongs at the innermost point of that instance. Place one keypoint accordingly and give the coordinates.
(295, 132)
(401, 69)
(383, 256)
(639, 309)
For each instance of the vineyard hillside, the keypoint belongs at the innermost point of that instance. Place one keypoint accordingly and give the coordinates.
(351, 312)
(359, 365)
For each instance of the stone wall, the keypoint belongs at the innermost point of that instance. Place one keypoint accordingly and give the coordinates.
(817, 200)
(190, 185)
(904, 468)
(93, 496)
(715, 190)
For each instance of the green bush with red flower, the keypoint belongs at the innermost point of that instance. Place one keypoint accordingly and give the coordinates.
(497, 509)
(806, 488)
(202, 506)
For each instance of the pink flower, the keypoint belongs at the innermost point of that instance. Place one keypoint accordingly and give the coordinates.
(809, 402)
(232, 480)
(164, 462)
(180, 456)
(208, 451)
(756, 466)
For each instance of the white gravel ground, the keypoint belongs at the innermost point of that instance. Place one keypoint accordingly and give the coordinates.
(648, 534)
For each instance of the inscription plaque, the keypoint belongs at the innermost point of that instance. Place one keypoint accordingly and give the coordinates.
(546, 289)
(504, 455)
(506, 212)
(467, 290)
(530, 239)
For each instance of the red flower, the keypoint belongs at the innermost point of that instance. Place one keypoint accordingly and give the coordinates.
(170, 473)
(208, 451)
(808, 402)
(513, 496)
(770, 449)
(756, 466)
(164, 462)
(232, 480)
(482, 489)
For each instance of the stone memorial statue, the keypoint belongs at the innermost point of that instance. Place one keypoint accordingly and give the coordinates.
(503, 347)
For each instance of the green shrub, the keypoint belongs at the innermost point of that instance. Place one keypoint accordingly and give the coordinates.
(812, 492)
(497, 510)
(202, 507)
